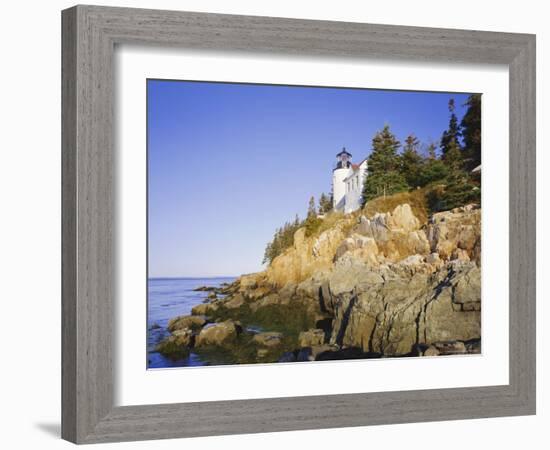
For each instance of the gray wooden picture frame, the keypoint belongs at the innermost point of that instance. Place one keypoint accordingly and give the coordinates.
(90, 34)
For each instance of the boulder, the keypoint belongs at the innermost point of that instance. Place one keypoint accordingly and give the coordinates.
(417, 242)
(234, 302)
(456, 234)
(467, 284)
(402, 218)
(268, 339)
(253, 286)
(433, 259)
(205, 309)
(450, 347)
(361, 248)
(205, 288)
(431, 351)
(171, 350)
(443, 320)
(413, 260)
(345, 279)
(377, 227)
(184, 337)
(460, 254)
(248, 282)
(271, 299)
(184, 322)
(396, 235)
(310, 338)
(309, 288)
(325, 244)
(177, 345)
(219, 334)
(407, 308)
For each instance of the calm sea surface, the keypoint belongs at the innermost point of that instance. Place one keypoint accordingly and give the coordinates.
(168, 298)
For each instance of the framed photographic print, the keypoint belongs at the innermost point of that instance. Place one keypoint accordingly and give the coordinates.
(256, 208)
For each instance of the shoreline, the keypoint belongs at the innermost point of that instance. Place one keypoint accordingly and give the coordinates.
(375, 290)
(167, 298)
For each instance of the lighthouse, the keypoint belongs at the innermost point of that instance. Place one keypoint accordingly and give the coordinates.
(347, 182)
(339, 174)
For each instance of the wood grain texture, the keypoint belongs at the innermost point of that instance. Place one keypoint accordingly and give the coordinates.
(68, 225)
(89, 36)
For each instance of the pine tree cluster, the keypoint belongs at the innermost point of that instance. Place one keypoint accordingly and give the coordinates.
(390, 171)
(284, 236)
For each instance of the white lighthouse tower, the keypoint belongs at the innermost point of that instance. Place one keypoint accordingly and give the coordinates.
(339, 174)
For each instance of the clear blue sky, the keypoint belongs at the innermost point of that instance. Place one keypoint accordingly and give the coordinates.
(229, 163)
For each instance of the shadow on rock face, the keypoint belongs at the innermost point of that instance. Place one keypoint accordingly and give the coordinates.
(314, 354)
(346, 353)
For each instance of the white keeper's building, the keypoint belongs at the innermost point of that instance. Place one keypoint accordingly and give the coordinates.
(347, 182)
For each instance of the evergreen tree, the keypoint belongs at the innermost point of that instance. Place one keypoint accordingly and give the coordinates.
(459, 188)
(312, 222)
(459, 191)
(384, 177)
(452, 133)
(432, 151)
(411, 144)
(432, 170)
(411, 162)
(283, 238)
(325, 204)
(453, 158)
(267, 253)
(471, 131)
(311, 211)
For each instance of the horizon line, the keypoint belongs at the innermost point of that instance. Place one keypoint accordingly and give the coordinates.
(179, 277)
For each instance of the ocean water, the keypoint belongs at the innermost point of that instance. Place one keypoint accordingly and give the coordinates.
(168, 298)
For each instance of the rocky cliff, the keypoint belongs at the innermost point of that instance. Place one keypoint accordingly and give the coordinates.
(367, 286)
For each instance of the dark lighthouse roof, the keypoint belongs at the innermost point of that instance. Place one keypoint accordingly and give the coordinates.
(344, 159)
(344, 152)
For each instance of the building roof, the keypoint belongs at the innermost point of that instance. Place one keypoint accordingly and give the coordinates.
(344, 152)
(355, 168)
